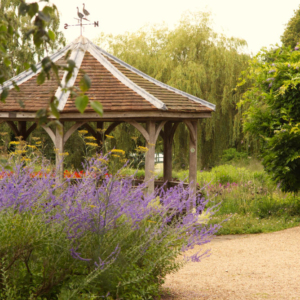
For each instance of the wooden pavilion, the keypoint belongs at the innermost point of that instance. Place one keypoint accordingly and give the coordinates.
(127, 95)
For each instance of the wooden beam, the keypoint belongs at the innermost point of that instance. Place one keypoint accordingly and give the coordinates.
(110, 116)
(90, 129)
(30, 130)
(190, 126)
(13, 127)
(50, 133)
(158, 129)
(111, 127)
(141, 129)
(72, 130)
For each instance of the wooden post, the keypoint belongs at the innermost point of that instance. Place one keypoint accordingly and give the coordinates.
(193, 155)
(59, 145)
(22, 129)
(150, 155)
(168, 140)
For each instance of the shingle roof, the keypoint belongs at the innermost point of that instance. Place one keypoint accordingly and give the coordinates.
(117, 85)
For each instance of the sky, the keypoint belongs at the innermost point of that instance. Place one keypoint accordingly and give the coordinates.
(259, 22)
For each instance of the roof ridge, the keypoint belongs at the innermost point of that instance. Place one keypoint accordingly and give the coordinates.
(92, 48)
(77, 55)
(157, 82)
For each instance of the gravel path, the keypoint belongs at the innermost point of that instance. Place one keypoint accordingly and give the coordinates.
(262, 266)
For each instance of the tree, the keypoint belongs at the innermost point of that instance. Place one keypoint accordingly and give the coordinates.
(272, 113)
(18, 23)
(291, 35)
(192, 58)
(20, 50)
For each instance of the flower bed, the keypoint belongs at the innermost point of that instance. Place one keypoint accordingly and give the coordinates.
(97, 237)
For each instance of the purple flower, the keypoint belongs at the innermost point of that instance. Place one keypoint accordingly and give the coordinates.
(296, 48)
(270, 79)
(272, 71)
(270, 85)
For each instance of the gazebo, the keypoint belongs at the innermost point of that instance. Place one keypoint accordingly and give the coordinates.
(127, 95)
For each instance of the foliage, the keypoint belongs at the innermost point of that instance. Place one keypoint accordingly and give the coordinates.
(272, 113)
(291, 35)
(21, 51)
(192, 58)
(94, 237)
(232, 154)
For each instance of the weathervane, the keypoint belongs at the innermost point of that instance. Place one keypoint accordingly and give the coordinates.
(82, 17)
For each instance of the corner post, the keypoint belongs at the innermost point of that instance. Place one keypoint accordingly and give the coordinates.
(22, 128)
(193, 156)
(150, 155)
(168, 141)
(59, 145)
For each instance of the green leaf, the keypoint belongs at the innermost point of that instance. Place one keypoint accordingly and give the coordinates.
(23, 8)
(71, 64)
(3, 28)
(10, 30)
(41, 78)
(7, 61)
(51, 35)
(97, 107)
(85, 83)
(2, 49)
(4, 94)
(33, 8)
(16, 86)
(81, 103)
(33, 68)
(53, 107)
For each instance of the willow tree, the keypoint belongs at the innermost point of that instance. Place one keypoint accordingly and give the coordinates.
(291, 34)
(195, 59)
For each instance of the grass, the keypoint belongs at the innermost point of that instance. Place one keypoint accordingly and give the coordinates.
(250, 201)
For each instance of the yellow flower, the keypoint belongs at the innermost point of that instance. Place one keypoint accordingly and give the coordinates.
(101, 130)
(82, 131)
(90, 138)
(114, 155)
(65, 153)
(14, 143)
(31, 146)
(20, 151)
(109, 136)
(134, 138)
(119, 151)
(92, 206)
(141, 149)
(26, 159)
(38, 143)
(92, 144)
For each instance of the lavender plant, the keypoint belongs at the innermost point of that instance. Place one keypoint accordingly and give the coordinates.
(97, 236)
